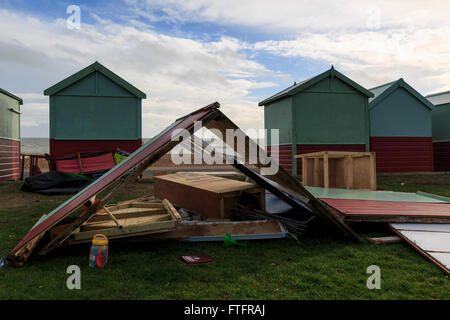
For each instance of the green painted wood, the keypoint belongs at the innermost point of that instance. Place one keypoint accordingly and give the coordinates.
(306, 84)
(95, 118)
(400, 114)
(441, 123)
(336, 116)
(95, 104)
(96, 67)
(278, 115)
(334, 193)
(9, 120)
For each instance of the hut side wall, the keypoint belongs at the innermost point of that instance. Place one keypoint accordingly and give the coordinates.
(94, 114)
(401, 130)
(441, 137)
(9, 138)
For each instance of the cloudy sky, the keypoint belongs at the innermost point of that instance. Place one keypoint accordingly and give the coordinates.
(188, 53)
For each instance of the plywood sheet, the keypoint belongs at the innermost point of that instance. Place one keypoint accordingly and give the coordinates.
(207, 182)
(431, 240)
(335, 193)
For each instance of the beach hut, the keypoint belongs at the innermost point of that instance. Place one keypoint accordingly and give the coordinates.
(401, 128)
(94, 110)
(9, 135)
(441, 130)
(326, 112)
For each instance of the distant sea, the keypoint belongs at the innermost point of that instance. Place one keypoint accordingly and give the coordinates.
(41, 145)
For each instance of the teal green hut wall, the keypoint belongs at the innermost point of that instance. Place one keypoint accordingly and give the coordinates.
(327, 112)
(401, 128)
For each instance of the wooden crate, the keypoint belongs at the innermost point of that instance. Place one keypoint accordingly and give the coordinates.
(206, 195)
(339, 169)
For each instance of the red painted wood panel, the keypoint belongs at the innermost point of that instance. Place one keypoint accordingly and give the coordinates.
(60, 148)
(441, 156)
(308, 148)
(285, 156)
(90, 164)
(403, 154)
(9, 159)
(389, 208)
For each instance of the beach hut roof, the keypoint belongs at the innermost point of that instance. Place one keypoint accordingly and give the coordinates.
(11, 95)
(298, 87)
(386, 89)
(96, 66)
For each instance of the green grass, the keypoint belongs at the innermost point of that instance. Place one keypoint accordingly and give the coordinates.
(321, 266)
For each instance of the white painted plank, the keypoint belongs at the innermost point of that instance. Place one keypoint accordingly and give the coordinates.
(437, 227)
(443, 258)
(429, 241)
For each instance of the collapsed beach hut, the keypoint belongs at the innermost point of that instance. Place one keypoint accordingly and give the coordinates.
(401, 128)
(441, 130)
(107, 185)
(94, 110)
(328, 112)
(9, 135)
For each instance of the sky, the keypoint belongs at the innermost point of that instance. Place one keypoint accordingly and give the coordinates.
(185, 54)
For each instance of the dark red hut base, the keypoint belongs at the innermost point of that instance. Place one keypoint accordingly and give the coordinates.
(9, 159)
(285, 152)
(60, 148)
(403, 154)
(441, 156)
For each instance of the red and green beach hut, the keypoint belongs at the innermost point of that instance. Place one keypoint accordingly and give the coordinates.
(326, 112)
(94, 110)
(9, 135)
(401, 128)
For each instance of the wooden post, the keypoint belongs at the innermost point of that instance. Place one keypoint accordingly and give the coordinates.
(305, 171)
(316, 172)
(326, 171)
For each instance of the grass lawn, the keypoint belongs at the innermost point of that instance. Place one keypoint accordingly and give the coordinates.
(321, 266)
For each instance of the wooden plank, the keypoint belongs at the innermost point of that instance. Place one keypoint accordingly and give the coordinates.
(128, 231)
(326, 171)
(385, 240)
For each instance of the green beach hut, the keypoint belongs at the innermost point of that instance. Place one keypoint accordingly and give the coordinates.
(326, 112)
(94, 110)
(401, 128)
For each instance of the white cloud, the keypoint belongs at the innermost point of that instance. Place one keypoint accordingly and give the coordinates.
(421, 56)
(297, 16)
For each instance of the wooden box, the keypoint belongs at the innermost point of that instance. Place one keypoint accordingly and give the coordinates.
(206, 195)
(339, 169)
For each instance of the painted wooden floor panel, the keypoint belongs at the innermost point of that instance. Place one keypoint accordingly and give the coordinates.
(389, 208)
(334, 193)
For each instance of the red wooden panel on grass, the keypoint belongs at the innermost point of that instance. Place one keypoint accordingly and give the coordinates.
(403, 154)
(389, 208)
(90, 164)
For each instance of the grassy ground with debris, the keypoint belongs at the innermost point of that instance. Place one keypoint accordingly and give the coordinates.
(319, 267)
